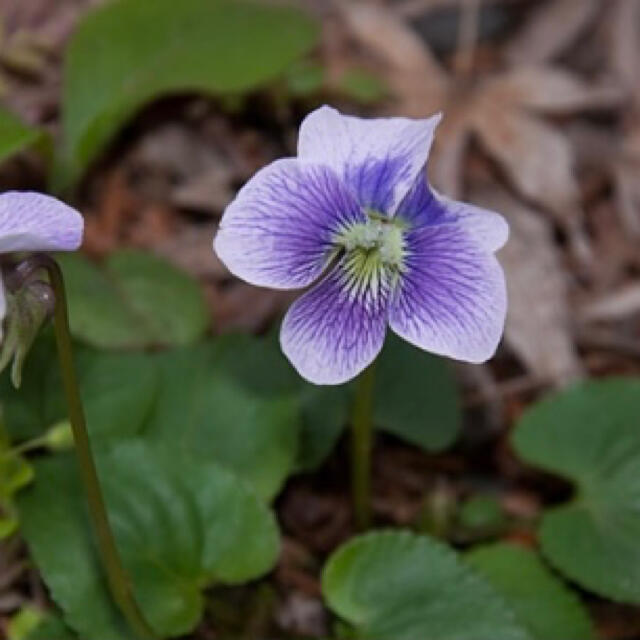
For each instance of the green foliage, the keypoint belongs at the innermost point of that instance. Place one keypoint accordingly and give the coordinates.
(51, 628)
(305, 78)
(481, 515)
(404, 586)
(325, 412)
(27, 310)
(15, 136)
(416, 397)
(362, 86)
(128, 53)
(180, 525)
(15, 473)
(541, 602)
(234, 400)
(221, 401)
(590, 436)
(118, 391)
(133, 299)
(24, 623)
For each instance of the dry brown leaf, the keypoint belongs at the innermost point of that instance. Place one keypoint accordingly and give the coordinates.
(624, 43)
(207, 191)
(535, 156)
(538, 320)
(613, 306)
(409, 64)
(552, 90)
(552, 28)
(380, 29)
(301, 614)
(410, 8)
(190, 248)
(625, 176)
(247, 308)
(447, 156)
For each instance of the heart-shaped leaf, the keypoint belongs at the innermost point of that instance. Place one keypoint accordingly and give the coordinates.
(180, 526)
(133, 299)
(541, 602)
(324, 414)
(404, 586)
(416, 397)
(118, 391)
(214, 411)
(590, 436)
(16, 136)
(128, 53)
(259, 366)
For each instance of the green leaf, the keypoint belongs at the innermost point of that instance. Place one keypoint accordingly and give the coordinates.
(134, 299)
(230, 414)
(403, 586)
(541, 602)
(181, 526)
(129, 53)
(362, 86)
(258, 365)
(481, 516)
(305, 78)
(590, 436)
(15, 136)
(52, 628)
(416, 397)
(15, 474)
(325, 412)
(24, 622)
(118, 392)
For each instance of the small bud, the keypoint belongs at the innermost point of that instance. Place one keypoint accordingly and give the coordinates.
(28, 309)
(438, 510)
(59, 437)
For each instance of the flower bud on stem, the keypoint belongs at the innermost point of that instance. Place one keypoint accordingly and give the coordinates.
(118, 581)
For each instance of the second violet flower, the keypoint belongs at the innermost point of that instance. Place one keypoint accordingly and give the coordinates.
(354, 212)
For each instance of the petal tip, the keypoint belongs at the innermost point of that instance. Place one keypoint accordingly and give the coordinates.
(33, 221)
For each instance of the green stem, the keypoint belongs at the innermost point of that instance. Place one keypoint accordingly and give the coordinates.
(119, 583)
(361, 447)
(28, 445)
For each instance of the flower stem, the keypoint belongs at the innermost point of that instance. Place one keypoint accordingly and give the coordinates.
(119, 583)
(361, 447)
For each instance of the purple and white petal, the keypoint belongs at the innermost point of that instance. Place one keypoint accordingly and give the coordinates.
(421, 206)
(489, 229)
(31, 221)
(424, 206)
(452, 298)
(378, 158)
(333, 332)
(279, 229)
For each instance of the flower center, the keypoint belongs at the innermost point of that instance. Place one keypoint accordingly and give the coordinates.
(374, 253)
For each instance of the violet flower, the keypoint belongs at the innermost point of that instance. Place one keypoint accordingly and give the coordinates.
(354, 212)
(31, 222)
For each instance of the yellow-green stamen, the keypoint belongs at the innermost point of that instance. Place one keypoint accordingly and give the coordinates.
(374, 254)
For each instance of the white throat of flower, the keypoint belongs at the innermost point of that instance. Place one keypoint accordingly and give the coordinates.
(374, 254)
